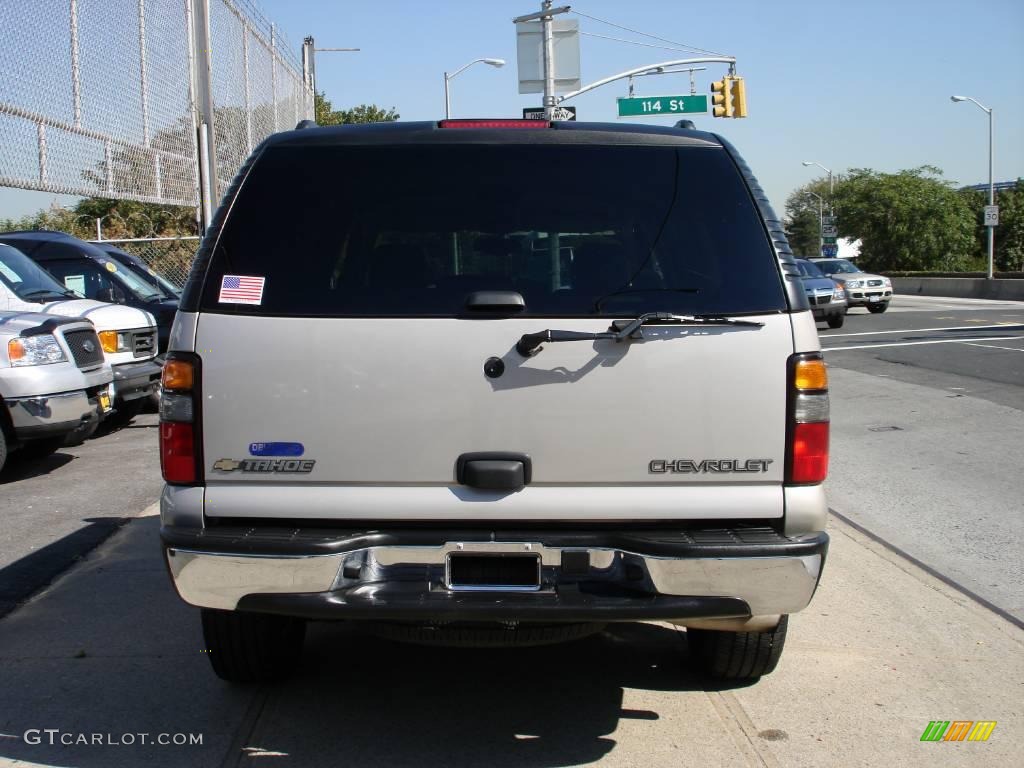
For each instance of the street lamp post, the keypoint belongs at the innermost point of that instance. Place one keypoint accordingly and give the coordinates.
(991, 181)
(821, 240)
(309, 52)
(831, 203)
(447, 94)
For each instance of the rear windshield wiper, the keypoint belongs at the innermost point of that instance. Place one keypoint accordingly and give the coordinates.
(529, 343)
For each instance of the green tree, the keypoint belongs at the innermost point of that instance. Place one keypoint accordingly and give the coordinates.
(55, 217)
(128, 218)
(803, 228)
(1009, 235)
(325, 113)
(910, 220)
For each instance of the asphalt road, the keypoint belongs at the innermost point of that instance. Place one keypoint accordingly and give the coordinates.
(927, 421)
(55, 510)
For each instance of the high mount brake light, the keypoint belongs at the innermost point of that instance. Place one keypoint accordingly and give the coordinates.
(180, 426)
(511, 123)
(807, 434)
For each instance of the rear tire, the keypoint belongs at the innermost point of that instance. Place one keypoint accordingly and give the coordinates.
(877, 309)
(736, 655)
(836, 321)
(252, 647)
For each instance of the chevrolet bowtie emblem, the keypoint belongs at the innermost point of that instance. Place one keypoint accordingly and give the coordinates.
(226, 465)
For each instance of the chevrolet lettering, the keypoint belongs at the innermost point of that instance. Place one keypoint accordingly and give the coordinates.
(690, 466)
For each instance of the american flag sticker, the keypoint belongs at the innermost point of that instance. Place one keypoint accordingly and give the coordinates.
(238, 289)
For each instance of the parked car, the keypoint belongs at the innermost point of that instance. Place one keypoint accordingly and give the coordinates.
(143, 270)
(92, 272)
(55, 385)
(863, 289)
(826, 297)
(401, 413)
(127, 334)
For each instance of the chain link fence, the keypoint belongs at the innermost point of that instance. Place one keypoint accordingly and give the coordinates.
(159, 239)
(169, 257)
(99, 97)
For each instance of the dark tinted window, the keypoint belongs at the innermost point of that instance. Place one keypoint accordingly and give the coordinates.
(156, 286)
(26, 278)
(837, 267)
(808, 269)
(577, 230)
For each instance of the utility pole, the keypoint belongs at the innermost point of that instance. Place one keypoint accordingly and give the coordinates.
(989, 224)
(309, 64)
(546, 17)
(549, 61)
(309, 51)
(991, 203)
(209, 194)
(821, 237)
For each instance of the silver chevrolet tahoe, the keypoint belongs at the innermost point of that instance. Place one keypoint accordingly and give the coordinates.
(494, 381)
(54, 382)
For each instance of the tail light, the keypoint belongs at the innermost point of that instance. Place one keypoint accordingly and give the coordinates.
(807, 431)
(180, 426)
(510, 123)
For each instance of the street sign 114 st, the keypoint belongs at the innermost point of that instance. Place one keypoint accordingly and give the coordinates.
(653, 106)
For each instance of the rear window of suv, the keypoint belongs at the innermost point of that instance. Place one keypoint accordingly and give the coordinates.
(412, 230)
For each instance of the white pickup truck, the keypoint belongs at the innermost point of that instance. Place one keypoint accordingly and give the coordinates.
(54, 381)
(128, 336)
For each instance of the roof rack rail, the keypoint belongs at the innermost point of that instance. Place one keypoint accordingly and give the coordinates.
(305, 124)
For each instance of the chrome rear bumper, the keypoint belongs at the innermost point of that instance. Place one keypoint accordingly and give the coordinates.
(593, 575)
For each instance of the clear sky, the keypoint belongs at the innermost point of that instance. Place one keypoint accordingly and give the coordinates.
(860, 83)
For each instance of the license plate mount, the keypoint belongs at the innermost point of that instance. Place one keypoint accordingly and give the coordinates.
(493, 572)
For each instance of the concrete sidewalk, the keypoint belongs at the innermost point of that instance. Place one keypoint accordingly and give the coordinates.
(883, 649)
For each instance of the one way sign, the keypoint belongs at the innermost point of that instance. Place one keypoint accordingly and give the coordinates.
(561, 113)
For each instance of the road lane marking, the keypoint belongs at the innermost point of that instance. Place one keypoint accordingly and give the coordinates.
(1000, 326)
(917, 343)
(991, 346)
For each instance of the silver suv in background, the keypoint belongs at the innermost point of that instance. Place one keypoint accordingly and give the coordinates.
(54, 382)
(863, 289)
(404, 412)
(826, 296)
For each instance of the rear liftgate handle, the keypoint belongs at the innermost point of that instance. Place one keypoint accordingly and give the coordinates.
(494, 471)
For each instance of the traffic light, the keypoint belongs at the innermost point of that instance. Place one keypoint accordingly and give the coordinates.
(722, 98)
(739, 97)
